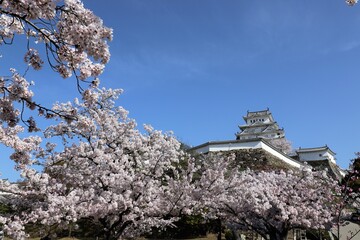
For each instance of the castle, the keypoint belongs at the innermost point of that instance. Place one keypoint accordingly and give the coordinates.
(259, 146)
(259, 142)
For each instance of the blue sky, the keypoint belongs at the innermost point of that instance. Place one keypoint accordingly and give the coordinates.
(197, 66)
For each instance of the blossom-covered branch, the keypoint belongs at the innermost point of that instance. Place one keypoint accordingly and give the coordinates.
(114, 176)
(71, 39)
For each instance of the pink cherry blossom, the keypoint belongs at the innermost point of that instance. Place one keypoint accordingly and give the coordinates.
(112, 174)
(269, 203)
(63, 34)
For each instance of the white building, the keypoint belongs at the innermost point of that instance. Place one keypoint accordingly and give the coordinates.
(257, 134)
(316, 154)
(259, 124)
(259, 131)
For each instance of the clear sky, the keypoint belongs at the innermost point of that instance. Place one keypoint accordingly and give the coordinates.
(197, 66)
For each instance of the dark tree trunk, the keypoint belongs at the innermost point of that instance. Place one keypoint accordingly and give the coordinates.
(116, 231)
(107, 235)
(275, 235)
(219, 229)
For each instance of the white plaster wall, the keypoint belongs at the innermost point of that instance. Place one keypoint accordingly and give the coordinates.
(316, 155)
(308, 156)
(215, 147)
(331, 157)
(204, 149)
(234, 146)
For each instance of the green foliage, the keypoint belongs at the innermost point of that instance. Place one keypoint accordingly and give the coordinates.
(229, 235)
(83, 229)
(4, 209)
(351, 182)
(355, 182)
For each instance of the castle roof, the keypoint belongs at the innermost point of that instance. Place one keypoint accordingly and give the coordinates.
(315, 149)
(258, 124)
(258, 114)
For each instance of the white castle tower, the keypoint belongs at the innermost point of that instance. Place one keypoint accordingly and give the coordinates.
(259, 124)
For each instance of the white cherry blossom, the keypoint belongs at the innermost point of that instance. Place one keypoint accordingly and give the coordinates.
(107, 172)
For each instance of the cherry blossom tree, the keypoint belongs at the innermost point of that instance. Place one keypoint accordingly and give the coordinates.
(348, 205)
(351, 182)
(73, 37)
(351, 2)
(64, 34)
(350, 186)
(282, 144)
(269, 203)
(107, 172)
(272, 203)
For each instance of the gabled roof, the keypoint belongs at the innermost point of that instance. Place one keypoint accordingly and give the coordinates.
(262, 124)
(270, 128)
(260, 131)
(258, 114)
(315, 149)
(223, 143)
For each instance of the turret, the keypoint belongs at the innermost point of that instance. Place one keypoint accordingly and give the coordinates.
(259, 124)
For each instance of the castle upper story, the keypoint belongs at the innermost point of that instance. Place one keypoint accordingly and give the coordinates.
(259, 124)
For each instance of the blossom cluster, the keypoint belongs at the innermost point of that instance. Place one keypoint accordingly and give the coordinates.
(106, 170)
(351, 2)
(113, 174)
(32, 57)
(75, 39)
(269, 203)
(127, 181)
